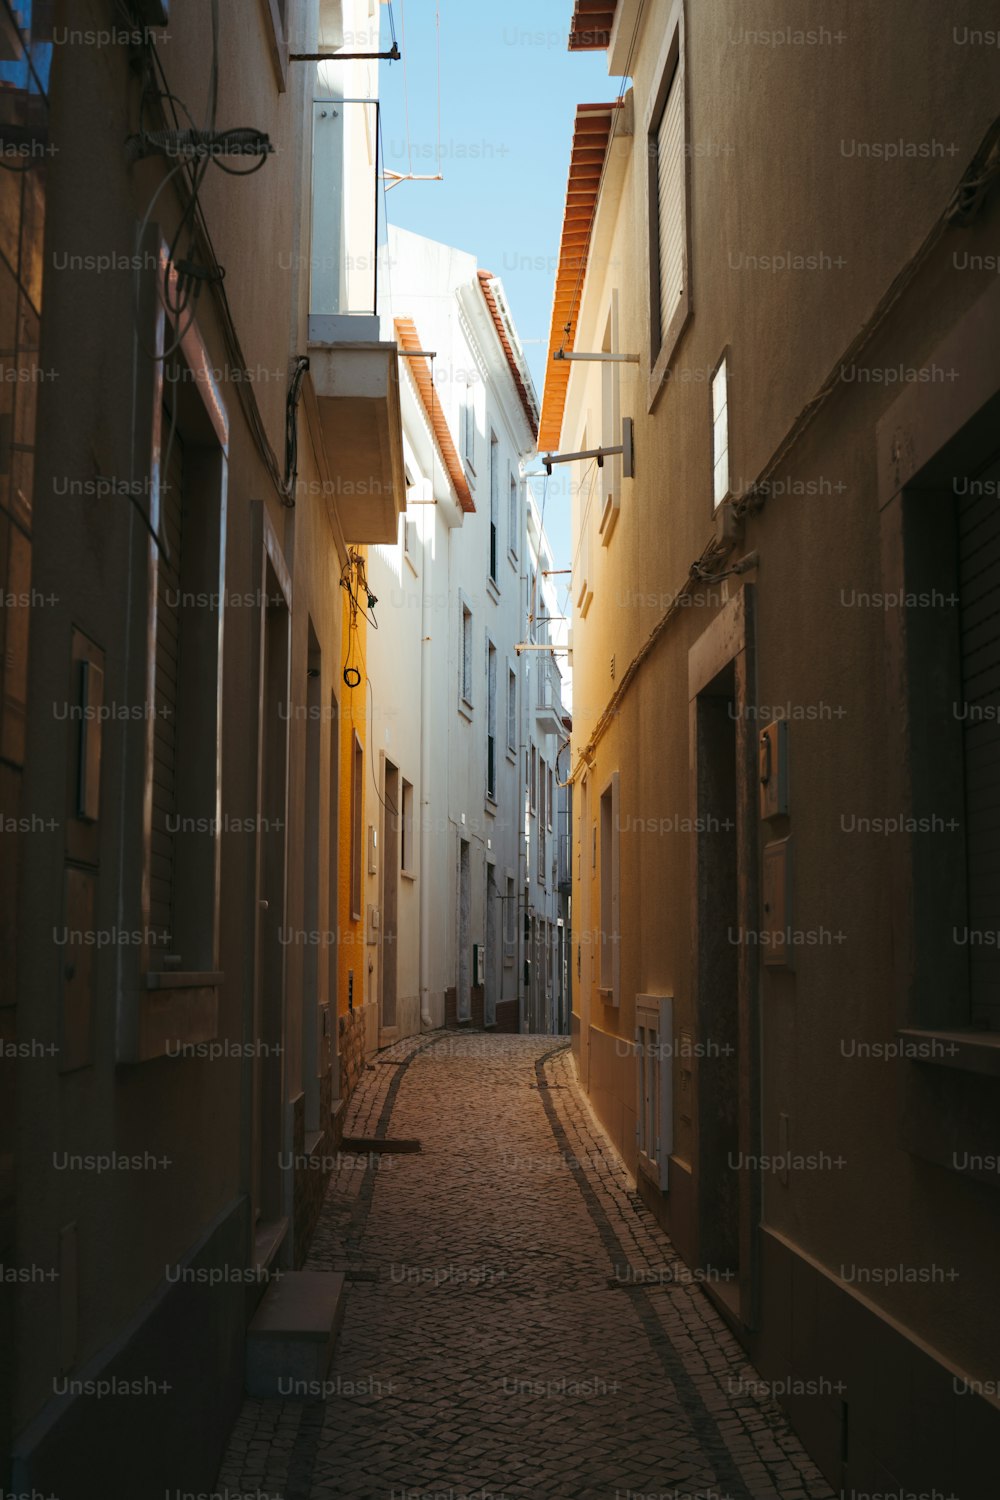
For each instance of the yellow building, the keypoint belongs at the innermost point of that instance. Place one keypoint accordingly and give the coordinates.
(776, 258)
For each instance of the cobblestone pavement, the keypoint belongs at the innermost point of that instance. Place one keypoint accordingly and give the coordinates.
(517, 1323)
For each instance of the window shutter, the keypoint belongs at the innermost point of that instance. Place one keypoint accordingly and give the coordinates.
(166, 678)
(979, 592)
(670, 198)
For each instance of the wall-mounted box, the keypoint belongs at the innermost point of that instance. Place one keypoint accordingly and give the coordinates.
(772, 751)
(374, 923)
(776, 904)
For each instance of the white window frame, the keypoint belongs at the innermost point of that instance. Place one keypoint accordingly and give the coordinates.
(466, 686)
(513, 516)
(654, 1086)
(492, 676)
(407, 861)
(721, 489)
(494, 534)
(611, 425)
(668, 72)
(511, 711)
(469, 427)
(610, 892)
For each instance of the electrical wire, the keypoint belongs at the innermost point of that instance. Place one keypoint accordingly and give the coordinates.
(406, 90)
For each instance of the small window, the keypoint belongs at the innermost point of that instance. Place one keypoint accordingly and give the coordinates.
(465, 659)
(533, 780)
(513, 516)
(540, 832)
(667, 207)
(494, 505)
(410, 542)
(469, 427)
(357, 811)
(654, 1084)
(407, 851)
(720, 432)
(278, 15)
(512, 710)
(510, 921)
(610, 886)
(491, 722)
(611, 426)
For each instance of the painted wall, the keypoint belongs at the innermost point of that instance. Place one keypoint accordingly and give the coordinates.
(779, 162)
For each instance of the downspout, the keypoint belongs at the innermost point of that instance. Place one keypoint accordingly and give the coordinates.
(426, 1019)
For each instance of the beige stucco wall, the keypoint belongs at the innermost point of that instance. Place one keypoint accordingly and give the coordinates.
(768, 175)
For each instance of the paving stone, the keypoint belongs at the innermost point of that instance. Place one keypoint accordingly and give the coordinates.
(492, 1349)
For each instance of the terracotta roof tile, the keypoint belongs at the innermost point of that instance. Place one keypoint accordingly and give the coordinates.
(591, 134)
(408, 338)
(530, 408)
(590, 28)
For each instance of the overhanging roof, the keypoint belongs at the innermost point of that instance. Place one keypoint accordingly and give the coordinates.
(590, 28)
(527, 397)
(408, 338)
(591, 134)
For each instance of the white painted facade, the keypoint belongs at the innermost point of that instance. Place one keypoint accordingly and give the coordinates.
(453, 603)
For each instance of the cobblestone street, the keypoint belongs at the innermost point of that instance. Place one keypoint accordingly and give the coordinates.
(517, 1324)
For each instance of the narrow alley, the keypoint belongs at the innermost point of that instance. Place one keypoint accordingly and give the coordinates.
(518, 1325)
(499, 750)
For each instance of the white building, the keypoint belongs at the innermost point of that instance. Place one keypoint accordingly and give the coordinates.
(546, 733)
(454, 715)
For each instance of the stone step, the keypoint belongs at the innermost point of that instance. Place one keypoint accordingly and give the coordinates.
(290, 1340)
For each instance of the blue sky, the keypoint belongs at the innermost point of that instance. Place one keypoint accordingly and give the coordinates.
(509, 91)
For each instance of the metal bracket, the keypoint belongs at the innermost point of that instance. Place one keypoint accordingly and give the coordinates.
(625, 448)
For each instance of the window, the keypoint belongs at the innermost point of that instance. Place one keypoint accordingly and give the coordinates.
(513, 517)
(611, 426)
(494, 504)
(669, 293)
(654, 1084)
(532, 779)
(583, 504)
(550, 798)
(541, 823)
(277, 11)
(510, 922)
(184, 687)
(469, 427)
(407, 863)
(511, 711)
(410, 542)
(465, 654)
(610, 894)
(357, 830)
(491, 721)
(720, 431)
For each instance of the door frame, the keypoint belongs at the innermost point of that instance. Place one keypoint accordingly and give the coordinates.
(730, 641)
(270, 1214)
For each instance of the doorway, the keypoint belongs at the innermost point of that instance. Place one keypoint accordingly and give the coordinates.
(389, 968)
(718, 973)
(492, 946)
(463, 996)
(272, 822)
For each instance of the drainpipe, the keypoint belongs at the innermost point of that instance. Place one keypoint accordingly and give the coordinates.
(426, 1019)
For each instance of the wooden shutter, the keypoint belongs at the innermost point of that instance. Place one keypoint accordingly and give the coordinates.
(165, 680)
(670, 201)
(979, 593)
